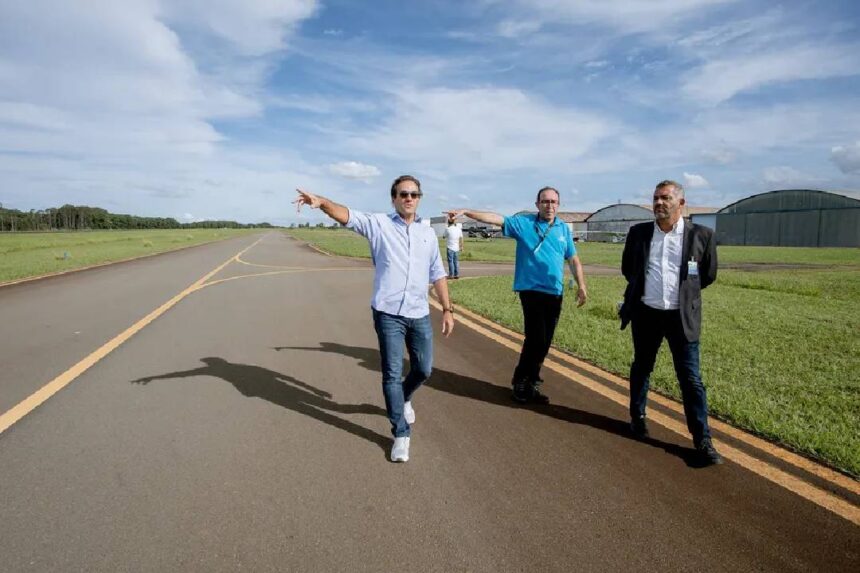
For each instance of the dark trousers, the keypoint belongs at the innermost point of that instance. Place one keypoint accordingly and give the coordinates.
(540, 317)
(650, 326)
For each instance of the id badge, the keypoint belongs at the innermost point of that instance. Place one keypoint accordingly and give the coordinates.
(693, 269)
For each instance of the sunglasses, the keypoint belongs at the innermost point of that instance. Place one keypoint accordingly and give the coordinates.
(405, 194)
(548, 202)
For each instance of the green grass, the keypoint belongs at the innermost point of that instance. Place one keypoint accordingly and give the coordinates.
(347, 243)
(790, 255)
(780, 350)
(341, 242)
(24, 255)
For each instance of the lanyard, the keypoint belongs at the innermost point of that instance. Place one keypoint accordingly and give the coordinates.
(543, 235)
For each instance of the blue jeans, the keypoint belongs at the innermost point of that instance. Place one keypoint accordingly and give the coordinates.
(650, 326)
(395, 332)
(453, 263)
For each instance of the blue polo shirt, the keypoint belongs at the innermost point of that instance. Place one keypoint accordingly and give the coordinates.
(541, 251)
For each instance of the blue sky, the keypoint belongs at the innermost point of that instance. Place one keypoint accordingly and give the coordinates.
(219, 109)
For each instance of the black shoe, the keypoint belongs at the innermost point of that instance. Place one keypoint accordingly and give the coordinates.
(707, 454)
(639, 428)
(521, 392)
(537, 397)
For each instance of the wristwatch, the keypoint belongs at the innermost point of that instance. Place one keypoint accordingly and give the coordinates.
(448, 309)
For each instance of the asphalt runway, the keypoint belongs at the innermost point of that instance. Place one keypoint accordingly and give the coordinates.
(236, 422)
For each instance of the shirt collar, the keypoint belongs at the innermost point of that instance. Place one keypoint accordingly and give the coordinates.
(677, 228)
(395, 216)
(538, 221)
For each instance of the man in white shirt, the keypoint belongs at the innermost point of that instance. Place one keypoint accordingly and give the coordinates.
(454, 243)
(667, 264)
(405, 255)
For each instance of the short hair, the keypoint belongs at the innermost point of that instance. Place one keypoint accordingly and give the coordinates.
(537, 199)
(400, 180)
(679, 189)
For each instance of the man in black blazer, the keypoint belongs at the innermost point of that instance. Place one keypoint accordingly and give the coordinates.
(667, 263)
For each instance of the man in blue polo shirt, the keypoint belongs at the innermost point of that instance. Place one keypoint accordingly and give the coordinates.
(406, 257)
(543, 245)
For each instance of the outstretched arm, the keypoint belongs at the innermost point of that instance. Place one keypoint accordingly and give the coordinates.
(482, 216)
(202, 371)
(334, 210)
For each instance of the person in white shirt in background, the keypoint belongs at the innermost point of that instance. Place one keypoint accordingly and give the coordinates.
(454, 243)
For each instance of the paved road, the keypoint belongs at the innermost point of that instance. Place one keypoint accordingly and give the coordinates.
(243, 429)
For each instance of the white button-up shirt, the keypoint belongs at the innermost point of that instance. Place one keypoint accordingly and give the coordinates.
(663, 273)
(406, 258)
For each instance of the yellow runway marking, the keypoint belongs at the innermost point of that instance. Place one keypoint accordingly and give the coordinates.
(244, 262)
(792, 483)
(283, 272)
(41, 395)
(787, 456)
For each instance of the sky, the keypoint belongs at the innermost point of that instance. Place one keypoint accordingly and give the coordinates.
(219, 109)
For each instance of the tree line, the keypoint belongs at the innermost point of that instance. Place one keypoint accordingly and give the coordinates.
(82, 217)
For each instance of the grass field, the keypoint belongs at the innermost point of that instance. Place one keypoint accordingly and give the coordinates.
(347, 243)
(780, 348)
(24, 255)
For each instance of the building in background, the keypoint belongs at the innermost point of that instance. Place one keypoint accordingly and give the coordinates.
(789, 218)
(705, 216)
(439, 224)
(610, 224)
(576, 222)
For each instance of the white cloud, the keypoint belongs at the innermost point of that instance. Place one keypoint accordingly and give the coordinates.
(596, 64)
(354, 170)
(627, 16)
(517, 28)
(693, 181)
(785, 175)
(742, 132)
(131, 103)
(721, 156)
(847, 157)
(761, 30)
(719, 80)
(473, 130)
(253, 27)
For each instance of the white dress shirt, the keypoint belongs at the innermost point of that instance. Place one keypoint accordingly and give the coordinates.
(406, 259)
(662, 275)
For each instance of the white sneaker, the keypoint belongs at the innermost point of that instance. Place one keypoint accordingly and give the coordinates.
(409, 413)
(400, 450)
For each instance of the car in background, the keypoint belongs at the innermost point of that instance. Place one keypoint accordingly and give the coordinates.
(483, 232)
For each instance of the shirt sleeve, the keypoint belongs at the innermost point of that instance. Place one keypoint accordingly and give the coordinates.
(437, 270)
(570, 248)
(361, 223)
(512, 226)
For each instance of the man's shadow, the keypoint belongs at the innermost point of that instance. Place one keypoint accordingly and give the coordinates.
(476, 389)
(285, 391)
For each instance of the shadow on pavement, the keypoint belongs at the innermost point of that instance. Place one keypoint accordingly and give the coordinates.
(285, 391)
(476, 389)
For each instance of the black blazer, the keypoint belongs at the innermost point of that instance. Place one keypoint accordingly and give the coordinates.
(698, 244)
